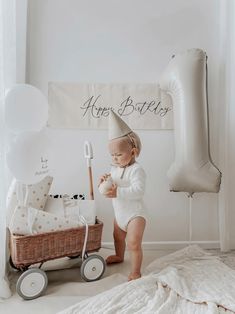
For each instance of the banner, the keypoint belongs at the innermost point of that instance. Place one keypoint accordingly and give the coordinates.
(86, 106)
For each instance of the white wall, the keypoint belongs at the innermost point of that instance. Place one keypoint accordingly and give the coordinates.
(125, 41)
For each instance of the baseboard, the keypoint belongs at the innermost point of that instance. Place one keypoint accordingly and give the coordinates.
(170, 245)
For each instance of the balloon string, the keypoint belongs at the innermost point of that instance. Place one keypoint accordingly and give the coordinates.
(190, 219)
(26, 195)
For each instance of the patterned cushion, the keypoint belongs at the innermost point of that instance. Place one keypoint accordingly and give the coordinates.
(37, 195)
(46, 222)
(30, 220)
(19, 223)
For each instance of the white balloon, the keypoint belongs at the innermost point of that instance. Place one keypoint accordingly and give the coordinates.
(185, 80)
(29, 157)
(26, 108)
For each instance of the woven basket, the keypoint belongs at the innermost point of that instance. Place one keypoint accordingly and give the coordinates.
(32, 249)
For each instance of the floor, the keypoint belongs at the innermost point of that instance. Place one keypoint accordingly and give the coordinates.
(66, 287)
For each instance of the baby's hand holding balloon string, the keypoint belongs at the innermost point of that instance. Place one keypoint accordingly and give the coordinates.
(103, 178)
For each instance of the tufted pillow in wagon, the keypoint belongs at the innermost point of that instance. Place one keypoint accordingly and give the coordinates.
(37, 195)
(46, 222)
(26, 221)
(20, 223)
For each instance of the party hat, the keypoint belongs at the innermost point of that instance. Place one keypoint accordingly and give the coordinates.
(117, 127)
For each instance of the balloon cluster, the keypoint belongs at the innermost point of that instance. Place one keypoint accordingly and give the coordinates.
(26, 114)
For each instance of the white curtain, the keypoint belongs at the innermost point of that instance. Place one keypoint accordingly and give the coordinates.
(226, 98)
(7, 78)
(13, 26)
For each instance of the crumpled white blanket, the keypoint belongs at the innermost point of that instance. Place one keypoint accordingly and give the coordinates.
(185, 282)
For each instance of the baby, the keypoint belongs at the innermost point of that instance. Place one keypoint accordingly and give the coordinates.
(126, 193)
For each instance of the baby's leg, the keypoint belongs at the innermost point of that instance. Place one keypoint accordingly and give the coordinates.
(119, 242)
(135, 230)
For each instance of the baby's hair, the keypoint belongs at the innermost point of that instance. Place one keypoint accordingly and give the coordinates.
(135, 142)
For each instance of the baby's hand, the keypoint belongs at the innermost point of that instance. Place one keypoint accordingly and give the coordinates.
(103, 178)
(112, 193)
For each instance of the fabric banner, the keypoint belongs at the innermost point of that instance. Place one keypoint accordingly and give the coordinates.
(86, 106)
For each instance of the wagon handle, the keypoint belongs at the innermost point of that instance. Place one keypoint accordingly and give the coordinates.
(88, 154)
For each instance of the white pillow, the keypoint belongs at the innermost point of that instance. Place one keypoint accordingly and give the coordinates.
(85, 208)
(37, 195)
(55, 204)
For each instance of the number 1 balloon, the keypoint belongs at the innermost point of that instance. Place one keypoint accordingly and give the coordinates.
(185, 80)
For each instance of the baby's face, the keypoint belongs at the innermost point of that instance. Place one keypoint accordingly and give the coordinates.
(121, 152)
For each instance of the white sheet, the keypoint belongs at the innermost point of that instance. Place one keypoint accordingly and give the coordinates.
(188, 281)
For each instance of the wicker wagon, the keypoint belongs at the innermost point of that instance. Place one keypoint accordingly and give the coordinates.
(39, 248)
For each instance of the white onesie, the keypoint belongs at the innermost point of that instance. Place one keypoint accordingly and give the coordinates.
(130, 190)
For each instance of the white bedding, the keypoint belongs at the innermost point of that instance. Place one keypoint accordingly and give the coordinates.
(188, 281)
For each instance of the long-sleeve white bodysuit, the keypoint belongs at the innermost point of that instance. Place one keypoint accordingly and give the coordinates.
(130, 190)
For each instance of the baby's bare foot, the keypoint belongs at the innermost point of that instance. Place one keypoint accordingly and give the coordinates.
(112, 259)
(134, 276)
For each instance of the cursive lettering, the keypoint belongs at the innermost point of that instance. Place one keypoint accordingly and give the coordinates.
(96, 111)
(94, 107)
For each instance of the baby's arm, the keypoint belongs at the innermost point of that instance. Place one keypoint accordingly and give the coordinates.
(137, 186)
